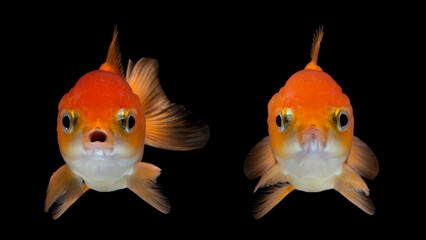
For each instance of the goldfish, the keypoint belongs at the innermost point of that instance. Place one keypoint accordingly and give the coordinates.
(103, 124)
(311, 145)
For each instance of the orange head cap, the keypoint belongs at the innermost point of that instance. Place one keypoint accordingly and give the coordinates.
(310, 114)
(101, 113)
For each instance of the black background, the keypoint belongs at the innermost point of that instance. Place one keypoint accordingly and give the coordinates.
(224, 63)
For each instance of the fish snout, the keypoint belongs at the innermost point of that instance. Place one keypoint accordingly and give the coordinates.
(313, 139)
(98, 139)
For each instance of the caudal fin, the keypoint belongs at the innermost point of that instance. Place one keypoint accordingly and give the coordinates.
(63, 190)
(168, 125)
(113, 61)
(143, 183)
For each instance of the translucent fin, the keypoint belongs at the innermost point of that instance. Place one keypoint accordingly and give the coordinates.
(273, 176)
(315, 50)
(359, 199)
(143, 183)
(349, 180)
(362, 159)
(259, 160)
(129, 70)
(113, 61)
(64, 189)
(271, 198)
(168, 125)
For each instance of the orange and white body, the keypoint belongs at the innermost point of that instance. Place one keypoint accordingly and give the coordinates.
(311, 146)
(103, 124)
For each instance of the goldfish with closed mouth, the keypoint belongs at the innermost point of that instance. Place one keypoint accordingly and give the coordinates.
(103, 124)
(311, 146)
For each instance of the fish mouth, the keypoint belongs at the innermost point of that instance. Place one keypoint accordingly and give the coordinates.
(98, 139)
(313, 140)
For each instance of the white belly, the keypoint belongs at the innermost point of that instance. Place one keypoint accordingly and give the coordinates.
(312, 172)
(102, 171)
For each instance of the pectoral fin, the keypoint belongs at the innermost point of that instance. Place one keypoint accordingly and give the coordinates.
(143, 183)
(259, 160)
(273, 176)
(168, 125)
(362, 159)
(64, 189)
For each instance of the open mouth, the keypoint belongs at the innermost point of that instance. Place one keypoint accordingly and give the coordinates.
(313, 140)
(97, 136)
(98, 139)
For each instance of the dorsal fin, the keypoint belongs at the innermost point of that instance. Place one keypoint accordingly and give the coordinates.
(113, 61)
(315, 50)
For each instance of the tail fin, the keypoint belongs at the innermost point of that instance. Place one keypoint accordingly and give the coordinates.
(315, 50)
(168, 125)
(113, 61)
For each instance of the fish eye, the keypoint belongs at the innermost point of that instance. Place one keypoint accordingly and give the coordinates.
(131, 121)
(67, 122)
(342, 120)
(283, 119)
(279, 120)
(127, 120)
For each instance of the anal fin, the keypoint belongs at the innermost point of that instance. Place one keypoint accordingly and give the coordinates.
(64, 189)
(349, 180)
(360, 200)
(272, 197)
(353, 187)
(143, 183)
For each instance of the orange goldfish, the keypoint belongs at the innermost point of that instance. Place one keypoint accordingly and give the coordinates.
(105, 120)
(311, 146)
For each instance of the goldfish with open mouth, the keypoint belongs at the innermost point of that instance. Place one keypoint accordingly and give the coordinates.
(103, 124)
(311, 145)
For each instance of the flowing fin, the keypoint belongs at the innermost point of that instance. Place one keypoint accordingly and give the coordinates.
(349, 180)
(362, 159)
(259, 160)
(168, 125)
(273, 176)
(113, 61)
(315, 50)
(64, 189)
(360, 200)
(143, 183)
(353, 187)
(271, 198)
(129, 70)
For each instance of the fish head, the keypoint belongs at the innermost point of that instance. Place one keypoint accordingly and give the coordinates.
(100, 119)
(310, 118)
